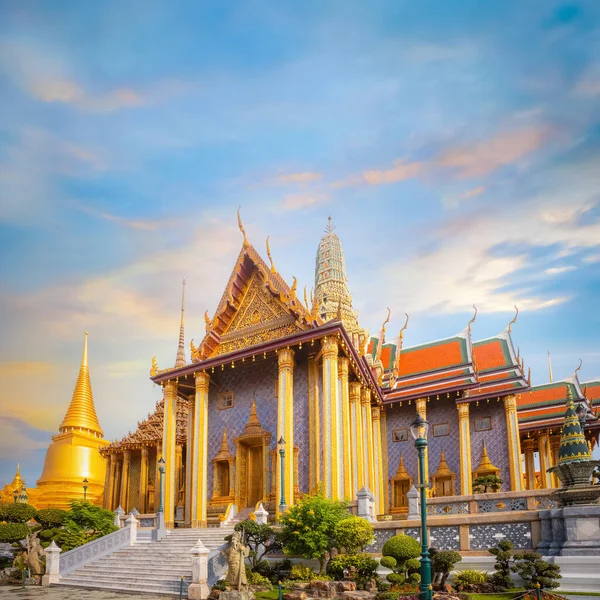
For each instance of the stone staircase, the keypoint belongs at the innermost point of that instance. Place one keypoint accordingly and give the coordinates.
(148, 567)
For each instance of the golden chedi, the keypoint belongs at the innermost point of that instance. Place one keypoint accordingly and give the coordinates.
(74, 453)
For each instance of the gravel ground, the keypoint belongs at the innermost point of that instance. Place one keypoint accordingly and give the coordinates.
(64, 593)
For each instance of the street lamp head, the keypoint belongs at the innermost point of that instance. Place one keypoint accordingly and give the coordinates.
(281, 443)
(419, 428)
(85, 481)
(161, 464)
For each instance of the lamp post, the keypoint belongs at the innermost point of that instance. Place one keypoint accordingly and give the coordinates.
(418, 429)
(161, 470)
(16, 495)
(281, 444)
(85, 487)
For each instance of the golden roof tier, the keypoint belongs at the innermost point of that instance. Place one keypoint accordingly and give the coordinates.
(74, 453)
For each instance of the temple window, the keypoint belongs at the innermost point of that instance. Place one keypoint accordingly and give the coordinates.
(444, 480)
(401, 484)
(223, 473)
(225, 400)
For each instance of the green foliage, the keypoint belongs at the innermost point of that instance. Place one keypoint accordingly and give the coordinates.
(85, 517)
(365, 567)
(389, 562)
(3, 511)
(5, 562)
(414, 578)
(279, 571)
(66, 540)
(412, 564)
(301, 573)
(19, 513)
(465, 580)
(258, 579)
(50, 517)
(260, 538)
(13, 532)
(388, 595)
(396, 578)
(504, 559)
(308, 528)
(47, 534)
(537, 572)
(220, 585)
(486, 483)
(403, 549)
(442, 563)
(353, 534)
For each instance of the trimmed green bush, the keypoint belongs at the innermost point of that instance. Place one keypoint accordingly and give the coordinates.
(414, 578)
(67, 540)
(504, 558)
(402, 548)
(13, 532)
(536, 572)
(19, 513)
(388, 595)
(3, 511)
(389, 562)
(365, 566)
(50, 517)
(396, 578)
(442, 563)
(354, 534)
(412, 564)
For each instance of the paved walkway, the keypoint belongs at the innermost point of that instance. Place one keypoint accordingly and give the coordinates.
(64, 593)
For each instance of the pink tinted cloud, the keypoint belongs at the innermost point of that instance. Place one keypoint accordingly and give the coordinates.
(401, 171)
(304, 177)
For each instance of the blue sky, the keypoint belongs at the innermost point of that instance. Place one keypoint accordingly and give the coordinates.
(456, 145)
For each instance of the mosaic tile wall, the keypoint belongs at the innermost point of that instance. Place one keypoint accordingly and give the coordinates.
(444, 538)
(134, 482)
(495, 440)
(256, 380)
(483, 537)
(381, 537)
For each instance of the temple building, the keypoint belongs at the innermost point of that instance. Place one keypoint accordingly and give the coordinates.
(287, 395)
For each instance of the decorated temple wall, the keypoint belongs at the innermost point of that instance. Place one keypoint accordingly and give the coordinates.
(442, 412)
(134, 481)
(495, 439)
(301, 423)
(400, 418)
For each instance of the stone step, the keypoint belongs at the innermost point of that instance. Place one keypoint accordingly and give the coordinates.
(96, 570)
(147, 588)
(134, 579)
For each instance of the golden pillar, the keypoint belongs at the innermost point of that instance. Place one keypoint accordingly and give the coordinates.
(346, 437)
(543, 448)
(378, 460)
(109, 490)
(370, 453)
(199, 469)
(330, 418)
(143, 501)
(464, 436)
(514, 443)
(358, 475)
(179, 500)
(554, 441)
(169, 451)
(384, 451)
(189, 459)
(117, 484)
(125, 481)
(314, 426)
(528, 446)
(285, 424)
(421, 404)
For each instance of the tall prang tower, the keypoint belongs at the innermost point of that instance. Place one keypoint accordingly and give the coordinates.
(332, 295)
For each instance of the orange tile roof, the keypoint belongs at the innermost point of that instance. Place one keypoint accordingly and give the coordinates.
(430, 357)
(495, 388)
(592, 389)
(489, 355)
(425, 390)
(541, 394)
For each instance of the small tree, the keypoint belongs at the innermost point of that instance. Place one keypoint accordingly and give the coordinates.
(89, 519)
(404, 550)
(504, 558)
(308, 528)
(50, 517)
(537, 572)
(442, 563)
(13, 532)
(19, 513)
(260, 538)
(486, 483)
(353, 534)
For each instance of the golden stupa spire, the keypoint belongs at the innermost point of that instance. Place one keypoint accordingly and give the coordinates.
(81, 413)
(180, 360)
(17, 482)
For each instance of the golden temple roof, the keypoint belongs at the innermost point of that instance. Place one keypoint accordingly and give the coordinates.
(443, 469)
(485, 464)
(81, 413)
(17, 482)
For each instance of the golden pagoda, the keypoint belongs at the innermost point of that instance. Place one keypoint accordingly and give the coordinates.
(74, 453)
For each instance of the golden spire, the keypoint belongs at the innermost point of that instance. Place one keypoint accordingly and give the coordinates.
(273, 269)
(81, 412)
(514, 320)
(443, 468)
(399, 349)
(17, 482)
(382, 337)
(472, 320)
(246, 242)
(549, 366)
(180, 360)
(224, 446)
(401, 473)
(579, 367)
(485, 464)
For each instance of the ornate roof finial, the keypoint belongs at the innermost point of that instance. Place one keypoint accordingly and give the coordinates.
(330, 226)
(207, 321)
(514, 320)
(154, 367)
(549, 366)
(529, 376)
(306, 300)
(382, 336)
(294, 287)
(399, 349)
(579, 367)
(246, 242)
(472, 320)
(273, 269)
(180, 360)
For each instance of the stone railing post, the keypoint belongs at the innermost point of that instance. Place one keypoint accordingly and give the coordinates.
(118, 514)
(199, 589)
(52, 564)
(132, 523)
(413, 503)
(261, 514)
(366, 502)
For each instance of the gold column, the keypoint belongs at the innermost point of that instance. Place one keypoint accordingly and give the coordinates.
(346, 438)
(529, 449)
(285, 423)
(159, 454)
(514, 443)
(330, 418)
(554, 441)
(168, 445)
(421, 404)
(124, 500)
(117, 483)
(378, 460)
(314, 426)
(110, 489)
(358, 476)
(370, 454)
(199, 467)
(143, 501)
(179, 474)
(543, 454)
(384, 450)
(189, 459)
(464, 436)
(107, 475)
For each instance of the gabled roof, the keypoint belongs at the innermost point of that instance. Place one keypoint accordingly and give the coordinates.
(592, 391)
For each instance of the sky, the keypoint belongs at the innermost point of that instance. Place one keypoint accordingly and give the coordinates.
(456, 146)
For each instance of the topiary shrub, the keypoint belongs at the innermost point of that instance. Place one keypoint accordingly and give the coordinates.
(353, 534)
(486, 483)
(396, 578)
(504, 559)
(536, 572)
(442, 563)
(365, 567)
(402, 548)
(3, 510)
(50, 517)
(19, 513)
(389, 562)
(67, 541)
(13, 532)
(220, 585)
(414, 578)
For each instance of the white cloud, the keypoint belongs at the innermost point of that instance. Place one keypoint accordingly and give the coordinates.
(559, 270)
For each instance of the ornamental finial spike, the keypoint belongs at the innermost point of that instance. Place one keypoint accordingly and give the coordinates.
(246, 242)
(472, 320)
(579, 367)
(207, 321)
(154, 367)
(514, 320)
(330, 226)
(399, 349)
(273, 269)
(382, 336)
